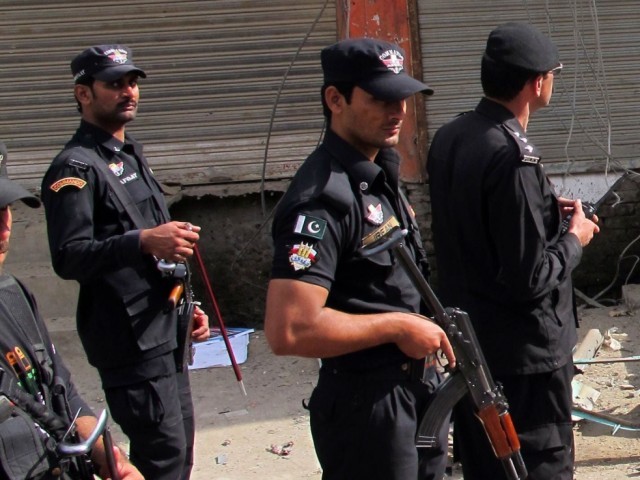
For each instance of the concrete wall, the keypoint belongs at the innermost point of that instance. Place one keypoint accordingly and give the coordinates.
(609, 261)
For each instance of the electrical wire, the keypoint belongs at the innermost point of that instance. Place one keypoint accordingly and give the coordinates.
(597, 71)
(277, 101)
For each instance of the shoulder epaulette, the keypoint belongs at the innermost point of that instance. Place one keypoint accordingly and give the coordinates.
(337, 189)
(83, 166)
(528, 151)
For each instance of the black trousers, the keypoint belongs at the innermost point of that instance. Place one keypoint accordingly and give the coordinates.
(157, 416)
(364, 426)
(540, 407)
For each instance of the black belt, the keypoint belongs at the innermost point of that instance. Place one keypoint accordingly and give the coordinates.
(409, 370)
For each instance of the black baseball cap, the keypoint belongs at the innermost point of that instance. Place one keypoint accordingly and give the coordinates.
(10, 191)
(104, 62)
(524, 46)
(374, 65)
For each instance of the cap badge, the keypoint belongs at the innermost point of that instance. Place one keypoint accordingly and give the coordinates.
(302, 256)
(117, 55)
(393, 60)
(375, 216)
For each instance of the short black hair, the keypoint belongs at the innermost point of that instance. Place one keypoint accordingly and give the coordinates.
(345, 89)
(87, 80)
(502, 81)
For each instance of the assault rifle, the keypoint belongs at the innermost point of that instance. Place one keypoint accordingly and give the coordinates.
(471, 374)
(181, 297)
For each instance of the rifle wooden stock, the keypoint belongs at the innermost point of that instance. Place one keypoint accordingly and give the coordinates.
(471, 374)
(500, 430)
(175, 296)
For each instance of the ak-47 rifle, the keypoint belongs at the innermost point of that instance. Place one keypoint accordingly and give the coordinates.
(471, 374)
(181, 297)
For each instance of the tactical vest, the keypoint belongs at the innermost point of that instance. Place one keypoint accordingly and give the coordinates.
(29, 429)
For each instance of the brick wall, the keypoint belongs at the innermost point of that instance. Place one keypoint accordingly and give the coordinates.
(612, 257)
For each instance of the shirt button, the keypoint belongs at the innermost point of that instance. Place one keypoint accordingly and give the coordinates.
(364, 186)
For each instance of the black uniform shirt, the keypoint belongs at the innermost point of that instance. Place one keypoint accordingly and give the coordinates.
(94, 241)
(500, 253)
(335, 200)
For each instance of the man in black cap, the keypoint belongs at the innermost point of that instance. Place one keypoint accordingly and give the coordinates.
(108, 226)
(361, 316)
(503, 257)
(32, 372)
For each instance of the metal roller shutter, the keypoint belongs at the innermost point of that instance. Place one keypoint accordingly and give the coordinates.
(591, 123)
(215, 72)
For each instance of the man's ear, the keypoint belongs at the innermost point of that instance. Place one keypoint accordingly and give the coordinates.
(333, 98)
(82, 93)
(538, 84)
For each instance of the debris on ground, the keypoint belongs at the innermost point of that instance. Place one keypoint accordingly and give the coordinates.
(281, 450)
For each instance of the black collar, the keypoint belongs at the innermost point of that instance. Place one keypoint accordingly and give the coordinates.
(360, 169)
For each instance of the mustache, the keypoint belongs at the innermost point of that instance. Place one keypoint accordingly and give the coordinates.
(127, 103)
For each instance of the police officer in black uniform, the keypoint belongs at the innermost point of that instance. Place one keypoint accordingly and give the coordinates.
(108, 227)
(360, 315)
(503, 257)
(35, 385)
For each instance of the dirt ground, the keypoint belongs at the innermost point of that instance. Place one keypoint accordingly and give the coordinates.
(265, 435)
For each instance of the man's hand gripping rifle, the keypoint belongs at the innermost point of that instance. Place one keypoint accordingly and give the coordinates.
(470, 375)
(181, 297)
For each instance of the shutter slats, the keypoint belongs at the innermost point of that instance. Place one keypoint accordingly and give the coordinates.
(453, 37)
(214, 71)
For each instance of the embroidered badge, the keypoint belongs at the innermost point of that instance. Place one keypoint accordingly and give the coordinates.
(302, 256)
(117, 55)
(375, 216)
(68, 182)
(393, 60)
(117, 168)
(310, 226)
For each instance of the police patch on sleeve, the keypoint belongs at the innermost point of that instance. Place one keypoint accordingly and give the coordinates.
(302, 256)
(310, 226)
(68, 182)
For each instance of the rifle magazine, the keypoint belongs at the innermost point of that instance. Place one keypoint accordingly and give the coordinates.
(439, 409)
